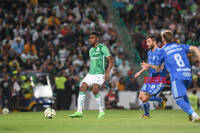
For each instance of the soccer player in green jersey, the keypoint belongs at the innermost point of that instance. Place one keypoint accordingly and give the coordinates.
(97, 74)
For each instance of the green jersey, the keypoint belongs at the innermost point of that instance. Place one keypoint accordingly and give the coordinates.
(97, 59)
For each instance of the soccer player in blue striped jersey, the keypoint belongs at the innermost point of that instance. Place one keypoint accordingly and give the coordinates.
(176, 62)
(152, 85)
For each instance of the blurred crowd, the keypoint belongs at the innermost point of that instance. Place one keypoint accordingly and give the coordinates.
(144, 17)
(52, 37)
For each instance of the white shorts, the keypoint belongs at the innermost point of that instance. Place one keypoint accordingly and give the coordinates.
(93, 79)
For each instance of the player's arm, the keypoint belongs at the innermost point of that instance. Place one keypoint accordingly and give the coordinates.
(110, 64)
(140, 72)
(146, 66)
(195, 50)
(109, 59)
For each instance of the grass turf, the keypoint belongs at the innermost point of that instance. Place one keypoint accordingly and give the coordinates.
(115, 121)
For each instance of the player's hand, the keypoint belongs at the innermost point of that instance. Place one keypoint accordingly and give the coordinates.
(137, 74)
(145, 65)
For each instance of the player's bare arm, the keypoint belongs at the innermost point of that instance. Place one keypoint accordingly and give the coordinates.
(146, 66)
(139, 73)
(195, 50)
(110, 64)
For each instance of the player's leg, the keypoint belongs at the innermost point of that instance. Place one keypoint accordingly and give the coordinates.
(154, 90)
(179, 94)
(187, 85)
(162, 101)
(98, 98)
(155, 98)
(144, 97)
(81, 98)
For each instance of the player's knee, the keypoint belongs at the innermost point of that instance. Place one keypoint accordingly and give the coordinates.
(140, 96)
(95, 89)
(145, 99)
(83, 87)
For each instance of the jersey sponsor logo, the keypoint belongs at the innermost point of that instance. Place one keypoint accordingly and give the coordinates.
(187, 74)
(170, 47)
(94, 58)
(174, 50)
(96, 55)
(183, 69)
(156, 80)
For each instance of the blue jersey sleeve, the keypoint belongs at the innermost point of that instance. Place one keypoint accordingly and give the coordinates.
(186, 48)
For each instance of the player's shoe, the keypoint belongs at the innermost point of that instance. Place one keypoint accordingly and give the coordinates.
(101, 114)
(76, 115)
(145, 116)
(195, 117)
(164, 103)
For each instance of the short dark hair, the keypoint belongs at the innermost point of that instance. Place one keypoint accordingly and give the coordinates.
(151, 36)
(95, 33)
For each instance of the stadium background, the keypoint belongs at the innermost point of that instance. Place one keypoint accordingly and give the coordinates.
(54, 38)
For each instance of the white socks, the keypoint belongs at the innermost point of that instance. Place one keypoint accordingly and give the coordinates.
(81, 99)
(99, 102)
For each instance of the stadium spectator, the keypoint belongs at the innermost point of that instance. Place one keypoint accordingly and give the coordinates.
(194, 84)
(69, 84)
(121, 84)
(196, 67)
(6, 86)
(60, 82)
(18, 46)
(124, 68)
(30, 48)
(132, 84)
(194, 100)
(111, 100)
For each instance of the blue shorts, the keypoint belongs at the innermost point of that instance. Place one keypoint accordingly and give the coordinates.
(152, 88)
(179, 87)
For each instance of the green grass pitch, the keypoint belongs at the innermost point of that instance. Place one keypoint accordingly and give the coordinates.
(115, 121)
